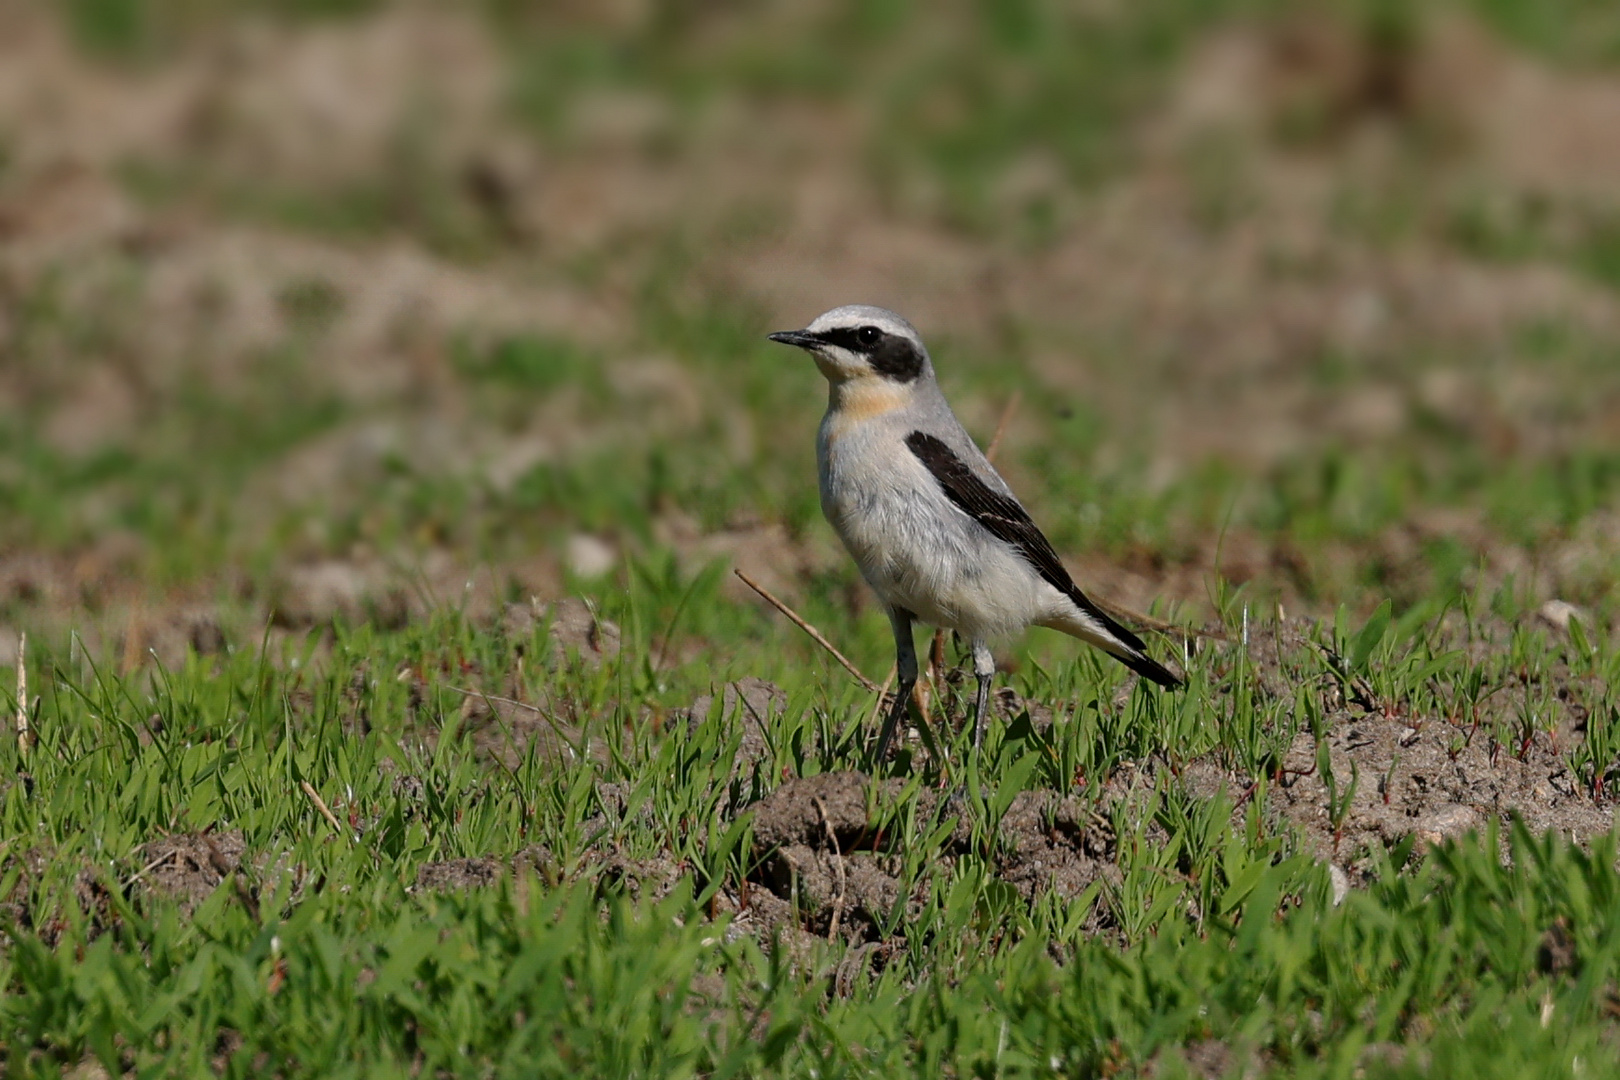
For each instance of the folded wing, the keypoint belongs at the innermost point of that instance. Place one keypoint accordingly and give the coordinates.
(1006, 519)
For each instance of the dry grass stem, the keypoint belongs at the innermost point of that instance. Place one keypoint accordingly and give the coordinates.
(882, 693)
(815, 635)
(497, 699)
(838, 864)
(1148, 622)
(149, 867)
(320, 804)
(1002, 424)
(25, 737)
(131, 656)
(922, 697)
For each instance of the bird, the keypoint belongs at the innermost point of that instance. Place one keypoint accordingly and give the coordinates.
(934, 529)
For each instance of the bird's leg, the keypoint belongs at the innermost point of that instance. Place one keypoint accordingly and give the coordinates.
(905, 665)
(984, 668)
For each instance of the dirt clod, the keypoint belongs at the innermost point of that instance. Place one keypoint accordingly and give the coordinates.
(482, 871)
(453, 874)
(338, 590)
(755, 702)
(1055, 842)
(1556, 954)
(189, 866)
(823, 855)
(801, 811)
(572, 627)
(645, 879)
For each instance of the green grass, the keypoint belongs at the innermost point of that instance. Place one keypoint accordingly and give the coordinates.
(556, 983)
(314, 954)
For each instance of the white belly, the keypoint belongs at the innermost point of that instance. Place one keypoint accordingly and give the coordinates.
(921, 553)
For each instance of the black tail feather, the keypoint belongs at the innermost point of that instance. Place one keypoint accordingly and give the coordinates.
(1136, 658)
(1149, 668)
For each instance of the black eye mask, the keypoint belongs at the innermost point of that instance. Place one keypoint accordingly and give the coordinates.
(892, 356)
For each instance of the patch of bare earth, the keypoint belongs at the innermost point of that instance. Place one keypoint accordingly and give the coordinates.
(829, 867)
(188, 867)
(451, 875)
(1391, 773)
(830, 864)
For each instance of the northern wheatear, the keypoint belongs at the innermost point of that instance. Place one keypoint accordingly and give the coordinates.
(934, 528)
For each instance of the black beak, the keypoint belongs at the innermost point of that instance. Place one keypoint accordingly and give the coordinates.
(795, 337)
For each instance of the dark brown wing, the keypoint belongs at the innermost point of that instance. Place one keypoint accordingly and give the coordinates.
(1006, 520)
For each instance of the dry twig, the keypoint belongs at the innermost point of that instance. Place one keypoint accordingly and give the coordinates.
(149, 867)
(134, 633)
(838, 864)
(815, 635)
(1148, 622)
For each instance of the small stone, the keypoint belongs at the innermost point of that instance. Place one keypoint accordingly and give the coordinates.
(335, 589)
(88, 1069)
(1341, 883)
(589, 556)
(1444, 823)
(574, 627)
(1558, 613)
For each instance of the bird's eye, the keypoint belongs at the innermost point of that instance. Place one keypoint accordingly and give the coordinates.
(868, 335)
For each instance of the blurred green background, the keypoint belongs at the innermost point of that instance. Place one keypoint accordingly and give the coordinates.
(323, 309)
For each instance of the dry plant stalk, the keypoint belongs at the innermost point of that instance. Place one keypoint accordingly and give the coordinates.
(882, 694)
(134, 635)
(496, 698)
(25, 737)
(1148, 622)
(148, 868)
(838, 863)
(815, 635)
(320, 804)
(1002, 424)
